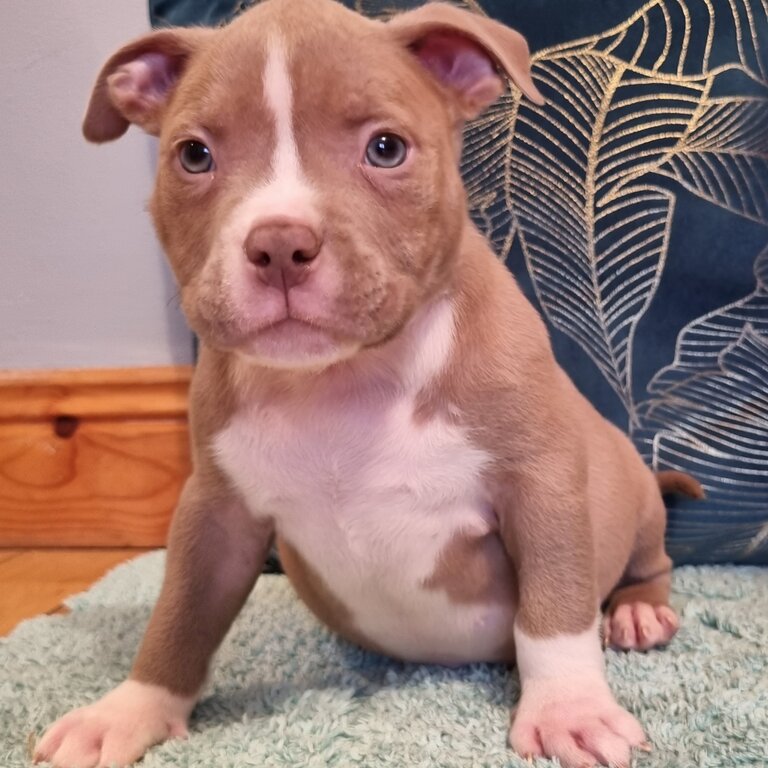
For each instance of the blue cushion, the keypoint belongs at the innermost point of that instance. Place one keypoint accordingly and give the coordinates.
(633, 210)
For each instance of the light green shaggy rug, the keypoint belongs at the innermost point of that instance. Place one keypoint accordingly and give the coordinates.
(285, 692)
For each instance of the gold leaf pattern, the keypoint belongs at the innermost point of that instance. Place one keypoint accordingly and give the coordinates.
(714, 423)
(594, 246)
(725, 157)
(571, 178)
(701, 341)
(487, 157)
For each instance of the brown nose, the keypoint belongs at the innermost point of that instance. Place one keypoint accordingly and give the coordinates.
(282, 252)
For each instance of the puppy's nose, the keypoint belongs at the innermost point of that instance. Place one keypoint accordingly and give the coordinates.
(282, 252)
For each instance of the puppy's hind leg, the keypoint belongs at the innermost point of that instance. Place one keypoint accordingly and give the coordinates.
(637, 614)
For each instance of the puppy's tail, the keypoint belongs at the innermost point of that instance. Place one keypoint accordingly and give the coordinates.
(672, 481)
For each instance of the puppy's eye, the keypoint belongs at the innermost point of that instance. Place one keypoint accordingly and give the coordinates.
(387, 150)
(195, 157)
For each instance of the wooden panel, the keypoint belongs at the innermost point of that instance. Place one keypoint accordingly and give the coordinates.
(111, 392)
(37, 581)
(91, 460)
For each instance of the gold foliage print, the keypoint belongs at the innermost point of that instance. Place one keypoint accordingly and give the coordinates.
(708, 415)
(713, 422)
(724, 158)
(579, 181)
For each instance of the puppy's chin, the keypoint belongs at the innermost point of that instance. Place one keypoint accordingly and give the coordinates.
(293, 345)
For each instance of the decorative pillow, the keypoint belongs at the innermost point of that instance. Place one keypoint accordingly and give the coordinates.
(633, 210)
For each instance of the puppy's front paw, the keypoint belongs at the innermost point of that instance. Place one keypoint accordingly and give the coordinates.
(639, 626)
(116, 730)
(576, 721)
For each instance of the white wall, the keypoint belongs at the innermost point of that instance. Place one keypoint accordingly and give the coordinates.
(82, 278)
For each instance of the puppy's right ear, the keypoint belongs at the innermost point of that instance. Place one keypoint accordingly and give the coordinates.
(135, 84)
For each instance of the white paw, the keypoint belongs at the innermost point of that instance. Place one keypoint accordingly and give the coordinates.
(576, 721)
(639, 626)
(116, 730)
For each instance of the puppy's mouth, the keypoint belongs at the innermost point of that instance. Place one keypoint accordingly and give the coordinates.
(276, 329)
(292, 342)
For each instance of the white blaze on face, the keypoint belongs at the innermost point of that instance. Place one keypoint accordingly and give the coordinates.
(278, 94)
(286, 191)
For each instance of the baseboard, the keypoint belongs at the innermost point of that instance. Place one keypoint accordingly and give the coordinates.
(91, 458)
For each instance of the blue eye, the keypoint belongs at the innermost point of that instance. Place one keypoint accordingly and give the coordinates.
(195, 157)
(387, 150)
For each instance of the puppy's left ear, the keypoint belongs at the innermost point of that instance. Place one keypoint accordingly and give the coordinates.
(463, 51)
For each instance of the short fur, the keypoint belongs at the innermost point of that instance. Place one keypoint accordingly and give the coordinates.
(387, 408)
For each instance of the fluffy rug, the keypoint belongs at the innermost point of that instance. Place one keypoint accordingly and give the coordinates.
(285, 692)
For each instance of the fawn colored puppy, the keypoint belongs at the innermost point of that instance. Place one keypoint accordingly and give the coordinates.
(374, 394)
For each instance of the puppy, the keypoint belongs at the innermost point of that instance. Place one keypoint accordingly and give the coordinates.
(374, 394)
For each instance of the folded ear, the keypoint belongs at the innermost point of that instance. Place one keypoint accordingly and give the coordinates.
(137, 81)
(463, 50)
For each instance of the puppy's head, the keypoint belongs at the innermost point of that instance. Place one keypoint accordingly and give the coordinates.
(308, 193)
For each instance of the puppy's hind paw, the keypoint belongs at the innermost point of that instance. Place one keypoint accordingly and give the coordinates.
(639, 626)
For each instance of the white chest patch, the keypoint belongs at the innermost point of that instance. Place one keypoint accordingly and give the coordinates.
(370, 497)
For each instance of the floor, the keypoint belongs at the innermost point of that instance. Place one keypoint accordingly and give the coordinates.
(34, 581)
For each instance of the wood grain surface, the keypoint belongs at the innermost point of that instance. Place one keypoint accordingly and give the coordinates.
(37, 581)
(91, 458)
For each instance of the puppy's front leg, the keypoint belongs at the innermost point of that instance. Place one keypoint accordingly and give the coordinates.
(216, 550)
(566, 709)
